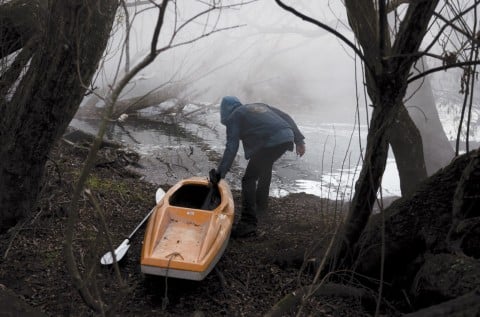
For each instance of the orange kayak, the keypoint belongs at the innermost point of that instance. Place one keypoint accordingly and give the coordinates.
(184, 238)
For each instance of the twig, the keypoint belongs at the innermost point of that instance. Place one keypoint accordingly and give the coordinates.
(223, 281)
(98, 210)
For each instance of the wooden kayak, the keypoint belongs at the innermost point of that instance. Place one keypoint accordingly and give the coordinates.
(184, 239)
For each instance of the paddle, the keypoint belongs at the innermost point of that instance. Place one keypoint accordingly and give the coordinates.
(213, 184)
(109, 258)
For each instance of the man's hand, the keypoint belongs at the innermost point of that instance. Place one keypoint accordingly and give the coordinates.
(300, 149)
(214, 176)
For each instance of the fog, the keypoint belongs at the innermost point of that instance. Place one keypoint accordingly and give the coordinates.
(272, 56)
(262, 53)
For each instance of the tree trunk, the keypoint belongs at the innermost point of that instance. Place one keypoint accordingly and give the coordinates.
(365, 188)
(47, 97)
(20, 20)
(406, 142)
(414, 225)
(130, 105)
(387, 90)
(420, 103)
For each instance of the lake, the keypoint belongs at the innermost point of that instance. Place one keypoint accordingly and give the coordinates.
(175, 147)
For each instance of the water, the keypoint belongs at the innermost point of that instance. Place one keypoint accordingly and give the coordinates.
(174, 149)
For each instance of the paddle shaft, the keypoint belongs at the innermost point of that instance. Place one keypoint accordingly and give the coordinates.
(141, 223)
(109, 258)
(209, 197)
(214, 178)
(158, 196)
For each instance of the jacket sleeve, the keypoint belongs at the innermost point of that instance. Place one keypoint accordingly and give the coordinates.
(231, 149)
(297, 135)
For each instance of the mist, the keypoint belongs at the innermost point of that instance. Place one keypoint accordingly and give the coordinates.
(269, 56)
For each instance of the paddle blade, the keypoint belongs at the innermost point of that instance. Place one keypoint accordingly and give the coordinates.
(159, 195)
(107, 258)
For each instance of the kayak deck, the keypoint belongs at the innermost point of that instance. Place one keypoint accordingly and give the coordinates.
(183, 240)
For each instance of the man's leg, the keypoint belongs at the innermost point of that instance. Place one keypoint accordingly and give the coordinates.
(259, 166)
(263, 188)
(249, 187)
(269, 156)
(248, 219)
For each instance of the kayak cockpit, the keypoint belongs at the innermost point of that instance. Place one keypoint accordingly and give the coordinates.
(189, 230)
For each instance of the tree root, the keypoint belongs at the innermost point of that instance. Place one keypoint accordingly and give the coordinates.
(444, 277)
(290, 303)
(466, 305)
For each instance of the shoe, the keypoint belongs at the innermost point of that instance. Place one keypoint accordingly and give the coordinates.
(244, 230)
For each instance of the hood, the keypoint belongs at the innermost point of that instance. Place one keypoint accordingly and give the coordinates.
(229, 103)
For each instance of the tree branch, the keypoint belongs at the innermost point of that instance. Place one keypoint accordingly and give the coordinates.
(440, 68)
(458, 16)
(394, 4)
(11, 75)
(20, 21)
(327, 28)
(412, 31)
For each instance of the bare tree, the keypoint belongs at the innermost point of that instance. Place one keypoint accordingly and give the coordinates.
(51, 48)
(389, 52)
(388, 62)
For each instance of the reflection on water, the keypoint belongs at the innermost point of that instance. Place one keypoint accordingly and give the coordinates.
(172, 151)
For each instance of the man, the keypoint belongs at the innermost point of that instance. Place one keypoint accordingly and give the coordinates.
(266, 133)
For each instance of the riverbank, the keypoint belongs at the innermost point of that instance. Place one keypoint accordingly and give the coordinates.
(251, 277)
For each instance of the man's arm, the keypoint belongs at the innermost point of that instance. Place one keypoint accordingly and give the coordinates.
(231, 149)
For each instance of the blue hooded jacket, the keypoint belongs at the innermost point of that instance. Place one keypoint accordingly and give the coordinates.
(258, 126)
(227, 106)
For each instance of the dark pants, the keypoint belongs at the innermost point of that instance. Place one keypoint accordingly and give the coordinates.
(256, 181)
